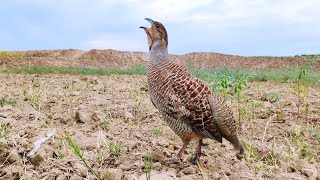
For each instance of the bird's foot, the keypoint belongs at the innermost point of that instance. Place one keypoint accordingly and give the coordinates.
(195, 159)
(198, 153)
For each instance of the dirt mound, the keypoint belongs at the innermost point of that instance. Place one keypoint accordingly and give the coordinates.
(124, 59)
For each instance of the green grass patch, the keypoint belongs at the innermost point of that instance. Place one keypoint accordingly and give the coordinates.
(216, 75)
(135, 70)
(210, 75)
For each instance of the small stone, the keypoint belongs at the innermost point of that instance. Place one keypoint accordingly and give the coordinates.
(75, 93)
(128, 115)
(188, 177)
(84, 142)
(80, 169)
(189, 170)
(115, 174)
(289, 176)
(84, 115)
(167, 153)
(158, 176)
(76, 177)
(180, 174)
(156, 166)
(54, 173)
(157, 156)
(62, 177)
(242, 175)
(305, 168)
(38, 157)
(163, 142)
(126, 166)
(171, 147)
(14, 157)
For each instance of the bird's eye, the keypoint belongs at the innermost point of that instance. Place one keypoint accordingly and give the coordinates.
(157, 27)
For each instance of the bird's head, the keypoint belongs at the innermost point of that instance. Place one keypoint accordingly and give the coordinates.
(156, 35)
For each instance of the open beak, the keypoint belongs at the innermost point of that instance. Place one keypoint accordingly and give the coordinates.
(149, 20)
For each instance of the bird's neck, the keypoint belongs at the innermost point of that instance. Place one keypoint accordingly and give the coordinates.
(158, 53)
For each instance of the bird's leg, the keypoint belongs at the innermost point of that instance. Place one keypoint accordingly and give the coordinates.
(176, 159)
(197, 153)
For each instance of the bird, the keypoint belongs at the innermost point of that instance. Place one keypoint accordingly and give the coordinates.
(186, 103)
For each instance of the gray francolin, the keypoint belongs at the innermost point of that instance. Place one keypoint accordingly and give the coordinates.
(187, 105)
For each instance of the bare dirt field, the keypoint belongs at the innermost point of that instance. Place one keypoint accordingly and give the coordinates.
(100, 112)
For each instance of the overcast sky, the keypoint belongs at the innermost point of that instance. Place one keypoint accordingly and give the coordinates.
(251, 27)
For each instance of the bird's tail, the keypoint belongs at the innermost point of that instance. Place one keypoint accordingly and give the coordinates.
(223, 117)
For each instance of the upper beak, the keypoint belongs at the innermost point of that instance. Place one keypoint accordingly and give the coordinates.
(142, 27)
(150, 20)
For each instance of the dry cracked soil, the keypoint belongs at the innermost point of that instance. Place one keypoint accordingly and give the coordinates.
(99, 112)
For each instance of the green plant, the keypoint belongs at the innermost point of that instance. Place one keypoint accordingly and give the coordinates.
(315, 134)
(240, 83)
(307, 154)
(273, 96)
(301, 88)
(271, 158)
(2, 100)
(157, 131)
(295, 134)
(3, 130)
(79, 154)
(252, 154)
(13, 101)
(105, 123)
(115, 148)
(148, 162)
(224, 85)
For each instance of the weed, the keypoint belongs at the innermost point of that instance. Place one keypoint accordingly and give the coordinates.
(271, 158)
(252, 155)
(224, 85)
(105, 123)
(115, 148)
(60, 151)
(13, 101)
(301, 88)
(295, 135)
(240, 83)
(80, 155)
(101, 152)
(306, 153)
(315, 134)
(49, 119)
(148, 162)
(157, 131)
(3, 130)
(2, 100)
(273, 97)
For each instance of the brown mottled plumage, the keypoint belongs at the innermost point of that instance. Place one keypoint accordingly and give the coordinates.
(190, 109)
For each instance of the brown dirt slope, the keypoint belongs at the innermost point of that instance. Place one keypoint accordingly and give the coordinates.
(124, 59)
